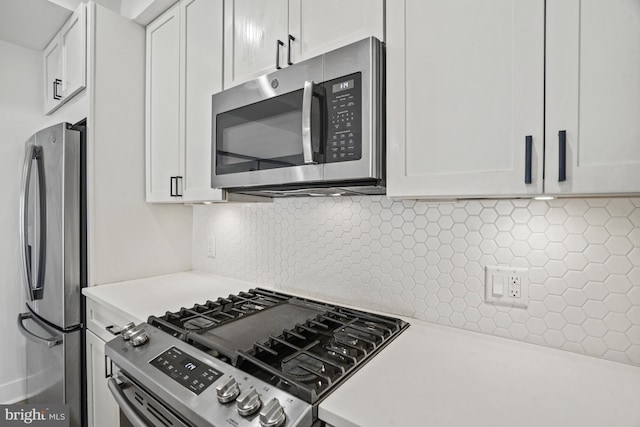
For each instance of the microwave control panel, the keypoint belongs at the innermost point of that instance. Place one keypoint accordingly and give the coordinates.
(344, 118)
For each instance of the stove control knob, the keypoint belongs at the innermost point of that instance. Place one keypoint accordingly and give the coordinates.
(248, 402)
(127, 330)
(272, 414)
(139, 337)
(227, 390)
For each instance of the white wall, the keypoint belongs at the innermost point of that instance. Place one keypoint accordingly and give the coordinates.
(20, 116)
(130, 238)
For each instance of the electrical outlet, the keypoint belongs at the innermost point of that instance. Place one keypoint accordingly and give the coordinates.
(514, 286)
(514, 293)
(507, 286)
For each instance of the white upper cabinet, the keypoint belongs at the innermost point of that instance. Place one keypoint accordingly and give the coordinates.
(465, 85)
(261, 36)
(163, 148)
(593, 95)
(322, 26)
(65, 65)
(184, 68)
(255, 38)
(73, 41)
(201, 76)
(465, 88)
(52, 75)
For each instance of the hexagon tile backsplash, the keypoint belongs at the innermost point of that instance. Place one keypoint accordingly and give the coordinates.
(426, 260)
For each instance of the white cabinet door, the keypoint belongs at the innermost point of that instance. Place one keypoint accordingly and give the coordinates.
(163, 148)
(464, 90)
(52, 75)
(65, 65)
(201, 42)
(102, 409)
(321, 26)
(252, 30)
(593, 94)
(73, 38)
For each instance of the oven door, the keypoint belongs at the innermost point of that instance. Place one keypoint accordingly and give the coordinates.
(269, 131)
(138, 408)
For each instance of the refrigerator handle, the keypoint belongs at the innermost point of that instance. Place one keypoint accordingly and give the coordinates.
(25, 249)
(42, 195)
(49, 342)
(34, 152)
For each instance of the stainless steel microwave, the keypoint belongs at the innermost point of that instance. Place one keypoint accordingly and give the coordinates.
(313, 128)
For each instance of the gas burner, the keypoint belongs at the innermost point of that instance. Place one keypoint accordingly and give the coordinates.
(198, 324)
(252, 307)
(340, 351)
(303, 367)
(361, 334)
(343, 337)
(372, 326)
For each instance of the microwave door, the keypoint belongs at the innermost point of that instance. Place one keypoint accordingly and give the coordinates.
(269, 137)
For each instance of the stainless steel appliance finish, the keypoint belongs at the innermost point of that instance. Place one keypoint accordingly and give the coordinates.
(53, 365)
(50, 225)
(52, 249)
(257, 358)
(163, 393)
(297, 131)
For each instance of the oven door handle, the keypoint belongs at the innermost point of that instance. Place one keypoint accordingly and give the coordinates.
(132, 415)
(310, 91)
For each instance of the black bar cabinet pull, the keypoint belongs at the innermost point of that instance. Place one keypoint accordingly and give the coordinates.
(171, 187)
(108, 367)
(527, 158)
(280, 43)
(56, 82)
(562, 156)
(291, 39)
(111, 330)
(178, 186)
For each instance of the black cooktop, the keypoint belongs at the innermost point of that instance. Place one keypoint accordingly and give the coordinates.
(302, 346)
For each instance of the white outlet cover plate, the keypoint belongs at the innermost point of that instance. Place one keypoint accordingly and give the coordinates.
(505, 299)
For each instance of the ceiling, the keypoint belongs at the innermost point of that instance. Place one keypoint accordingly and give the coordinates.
(30, 23)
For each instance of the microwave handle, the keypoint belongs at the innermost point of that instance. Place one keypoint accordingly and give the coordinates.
(307, 99)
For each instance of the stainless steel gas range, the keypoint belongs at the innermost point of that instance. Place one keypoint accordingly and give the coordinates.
(259, 358)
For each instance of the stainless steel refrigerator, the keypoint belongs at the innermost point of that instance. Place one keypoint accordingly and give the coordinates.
(53, 248)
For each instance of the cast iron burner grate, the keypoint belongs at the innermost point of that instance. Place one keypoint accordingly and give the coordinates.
(302, 346)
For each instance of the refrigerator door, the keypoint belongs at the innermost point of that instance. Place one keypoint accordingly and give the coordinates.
(50, 225)
(53, 365)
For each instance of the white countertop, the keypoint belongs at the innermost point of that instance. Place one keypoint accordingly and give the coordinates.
(141, 298)
(434, 375)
